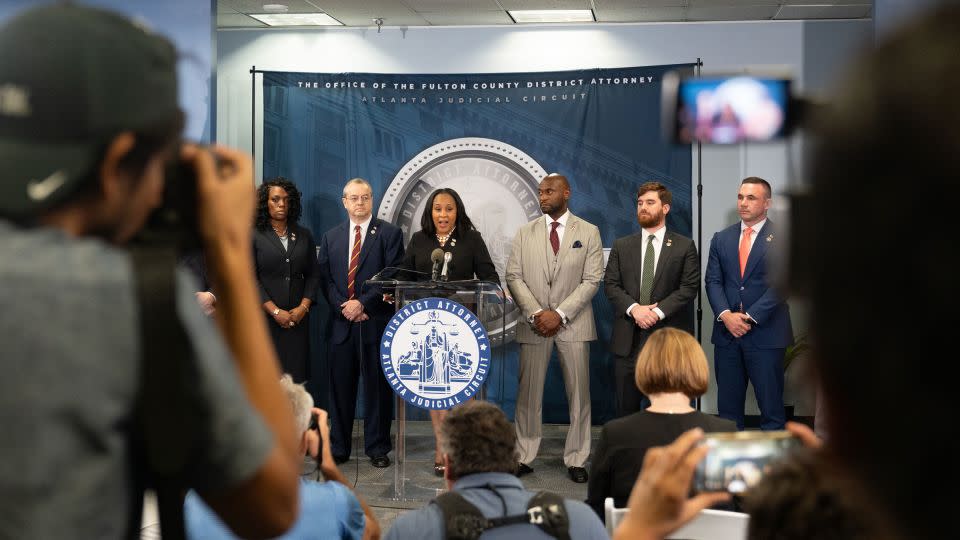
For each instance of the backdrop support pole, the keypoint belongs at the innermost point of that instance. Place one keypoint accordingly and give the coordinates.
(699, 230)
(253, 114)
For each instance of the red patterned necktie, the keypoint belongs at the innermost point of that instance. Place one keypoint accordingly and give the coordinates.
(554, 237)
(745, 249)
(354, 264)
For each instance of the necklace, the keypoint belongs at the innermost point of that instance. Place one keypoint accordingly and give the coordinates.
(442, 238)
(280, 234)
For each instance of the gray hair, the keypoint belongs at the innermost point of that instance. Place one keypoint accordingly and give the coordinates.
(359, 181)
(300, 401)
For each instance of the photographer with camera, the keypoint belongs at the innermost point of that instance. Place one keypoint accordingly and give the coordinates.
(328, 509)
(88, 119)
(480, 459)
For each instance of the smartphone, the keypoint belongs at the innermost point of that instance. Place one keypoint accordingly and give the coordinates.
(727, 108)
(315, 426)
(737, 461)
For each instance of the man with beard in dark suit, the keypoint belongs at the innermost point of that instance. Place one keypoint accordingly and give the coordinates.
(651, 280)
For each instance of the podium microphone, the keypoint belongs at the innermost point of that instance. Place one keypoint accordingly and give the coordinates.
(436, 257)
(446, 259)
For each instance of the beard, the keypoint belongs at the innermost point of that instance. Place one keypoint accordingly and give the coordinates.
(650, 220)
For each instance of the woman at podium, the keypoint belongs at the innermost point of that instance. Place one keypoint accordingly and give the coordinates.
(445, 225)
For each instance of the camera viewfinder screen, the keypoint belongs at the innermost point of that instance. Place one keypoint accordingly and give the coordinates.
(732, 110)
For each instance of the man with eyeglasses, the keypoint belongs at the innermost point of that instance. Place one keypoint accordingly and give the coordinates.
(350, 254)
(651, 280)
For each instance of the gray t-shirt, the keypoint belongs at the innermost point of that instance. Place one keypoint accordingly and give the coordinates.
(69, 375)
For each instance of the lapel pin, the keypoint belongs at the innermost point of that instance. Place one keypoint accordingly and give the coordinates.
(453, 242)
(669, 242)
(770, 238)
(373, 230)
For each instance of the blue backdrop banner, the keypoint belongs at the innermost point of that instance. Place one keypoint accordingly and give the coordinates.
(492, 137)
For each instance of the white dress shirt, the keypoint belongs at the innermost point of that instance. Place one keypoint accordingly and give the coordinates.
(352, 232)
(657, 248)
(757, 227)
(562, 220)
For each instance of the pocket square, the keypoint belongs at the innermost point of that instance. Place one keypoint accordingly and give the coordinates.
(577, 244)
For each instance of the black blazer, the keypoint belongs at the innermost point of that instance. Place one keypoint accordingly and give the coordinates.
(676, 283)
(286, 276)
(618, 456)
(470, 256)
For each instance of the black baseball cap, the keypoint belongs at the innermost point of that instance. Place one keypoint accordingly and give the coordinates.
(71, 78)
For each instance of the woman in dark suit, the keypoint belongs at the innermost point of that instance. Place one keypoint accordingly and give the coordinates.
(445, 225)
(286, 268)
(671, 370)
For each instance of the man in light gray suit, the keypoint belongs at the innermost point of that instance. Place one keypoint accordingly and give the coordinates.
(554, 270)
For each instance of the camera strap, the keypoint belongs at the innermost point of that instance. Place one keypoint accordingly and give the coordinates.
(164, 424)
(464, 521)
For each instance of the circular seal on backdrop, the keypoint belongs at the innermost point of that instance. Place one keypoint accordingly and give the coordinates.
(435, 353)
(498, 185)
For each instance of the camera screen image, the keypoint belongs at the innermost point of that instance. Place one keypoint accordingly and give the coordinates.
(736, 462)
(731, 110)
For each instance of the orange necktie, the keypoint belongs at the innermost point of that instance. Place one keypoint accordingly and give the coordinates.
(745, 249)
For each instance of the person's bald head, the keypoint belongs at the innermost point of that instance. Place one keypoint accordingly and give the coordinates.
(554, 194)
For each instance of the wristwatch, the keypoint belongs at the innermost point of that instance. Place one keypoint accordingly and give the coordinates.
(276, 312)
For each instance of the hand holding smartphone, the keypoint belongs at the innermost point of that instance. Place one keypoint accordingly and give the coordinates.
(737, 461)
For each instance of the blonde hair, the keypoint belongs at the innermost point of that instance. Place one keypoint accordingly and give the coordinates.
(672, 361)
(300, 401)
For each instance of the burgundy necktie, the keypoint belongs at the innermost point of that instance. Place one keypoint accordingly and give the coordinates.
(554, 237)
(354, 264)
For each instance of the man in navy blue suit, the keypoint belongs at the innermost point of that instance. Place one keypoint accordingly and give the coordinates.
(350, 254)
(752, 329)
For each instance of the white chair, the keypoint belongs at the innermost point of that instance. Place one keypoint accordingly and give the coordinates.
(708, 525)
(714, 525)
(612, 515)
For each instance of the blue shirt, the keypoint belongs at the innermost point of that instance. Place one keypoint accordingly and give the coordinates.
(327, 510)
(427, 522)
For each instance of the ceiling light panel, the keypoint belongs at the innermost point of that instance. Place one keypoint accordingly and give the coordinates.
(296, 19)
(551, 15)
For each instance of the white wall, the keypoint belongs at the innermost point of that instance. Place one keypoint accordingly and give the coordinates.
(722, 46)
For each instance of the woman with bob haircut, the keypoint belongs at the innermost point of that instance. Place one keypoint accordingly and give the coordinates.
(671, 370)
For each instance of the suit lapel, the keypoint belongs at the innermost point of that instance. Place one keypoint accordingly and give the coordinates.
(543, 251)
(274, 240)
(568, 239)
(759, 248)
(666, 252)
(369, 240)
(292, 239)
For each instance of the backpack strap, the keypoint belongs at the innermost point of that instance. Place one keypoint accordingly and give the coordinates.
(165, 424)
(463, 521)
(548, 511)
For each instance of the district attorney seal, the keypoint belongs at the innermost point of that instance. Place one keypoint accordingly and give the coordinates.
(435, 353)
(498, 184)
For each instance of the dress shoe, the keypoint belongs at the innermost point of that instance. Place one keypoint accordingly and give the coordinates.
(439, 469)
(523, 469)
(577, 474)
(340, 460)
(380, 462)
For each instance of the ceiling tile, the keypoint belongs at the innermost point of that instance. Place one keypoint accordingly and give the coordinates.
(440, 6)
(237, 20)
(642, 15)
(824, 12)
(735, 3)
(466, 18)
(736, 13)
(628, 5)
(356, 13)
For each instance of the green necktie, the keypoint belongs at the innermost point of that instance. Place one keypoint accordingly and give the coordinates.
(646, 277)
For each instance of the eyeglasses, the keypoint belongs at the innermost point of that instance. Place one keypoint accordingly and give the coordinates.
(362, 198)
